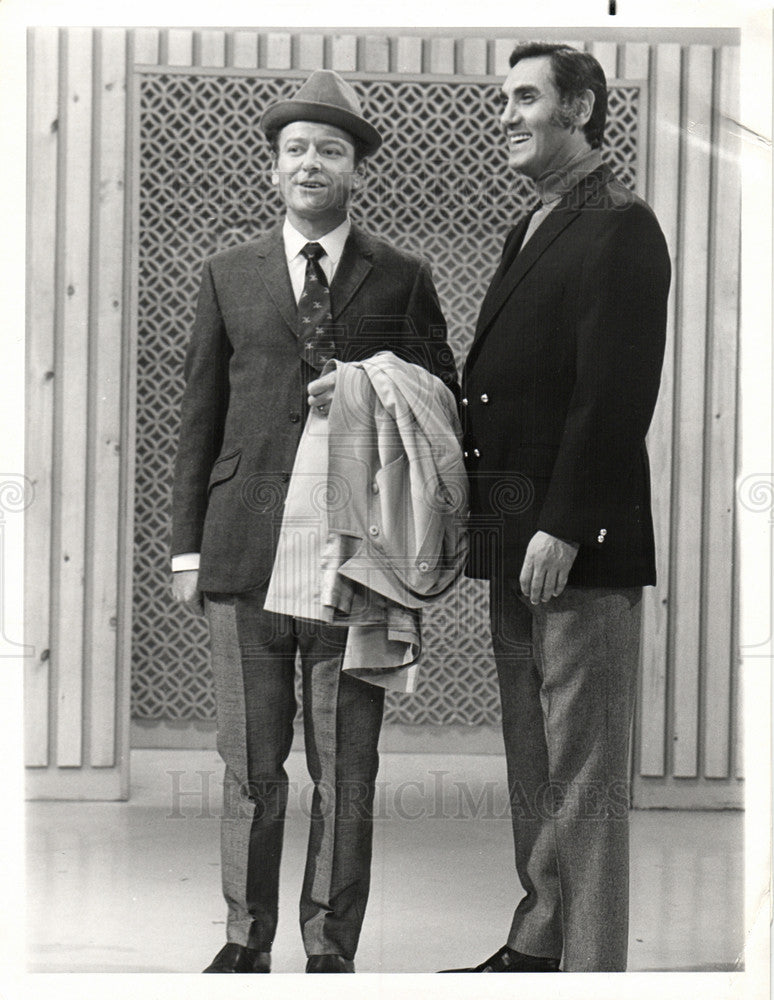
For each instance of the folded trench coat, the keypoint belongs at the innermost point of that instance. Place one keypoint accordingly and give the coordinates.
(374, 525)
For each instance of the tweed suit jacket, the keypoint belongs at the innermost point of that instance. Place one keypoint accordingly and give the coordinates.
(244, 404)
(560, 386)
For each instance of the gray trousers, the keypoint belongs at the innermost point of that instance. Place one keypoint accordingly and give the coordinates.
(567, 673)
(253, 662)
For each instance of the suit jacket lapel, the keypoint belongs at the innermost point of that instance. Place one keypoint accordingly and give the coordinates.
(273, 271)
(552, 227)
(355, 263)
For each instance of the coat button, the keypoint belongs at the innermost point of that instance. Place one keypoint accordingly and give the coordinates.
(600, 538)
(603, 532)
(423, 567)
(484, 397)
(464, 454)
(295, 417)
(477, 453)
(373, 531)
(374, 487)
(465, 402)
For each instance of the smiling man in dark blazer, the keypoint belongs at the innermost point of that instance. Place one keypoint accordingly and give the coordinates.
(559, 389)
(270, 314)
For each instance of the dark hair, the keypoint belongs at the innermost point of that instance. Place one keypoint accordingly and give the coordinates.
(272, 137)
(573, 72)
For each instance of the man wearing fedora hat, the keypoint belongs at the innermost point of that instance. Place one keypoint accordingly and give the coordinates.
(270, 313)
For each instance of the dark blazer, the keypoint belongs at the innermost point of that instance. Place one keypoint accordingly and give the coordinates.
(244, 405)
(560, 385)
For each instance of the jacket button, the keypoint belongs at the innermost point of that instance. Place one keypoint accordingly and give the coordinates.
(295, 417)
(484, 397)
(477, 453)
(373, 531)
(464, 402)
(423, 567)
(464, 454)
(374, 487)
(600, 538)
(603, 532)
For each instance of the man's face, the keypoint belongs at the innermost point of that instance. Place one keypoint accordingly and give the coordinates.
(538, 143)
(315, 170)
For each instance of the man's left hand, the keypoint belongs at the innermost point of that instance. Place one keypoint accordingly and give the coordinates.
(321, 393)
(547, 565)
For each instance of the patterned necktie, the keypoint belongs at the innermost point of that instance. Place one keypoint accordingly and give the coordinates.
(315, 333)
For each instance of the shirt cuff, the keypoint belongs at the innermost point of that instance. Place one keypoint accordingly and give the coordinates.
(185, 561)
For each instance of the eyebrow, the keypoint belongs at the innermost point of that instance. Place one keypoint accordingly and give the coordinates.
(526, 88)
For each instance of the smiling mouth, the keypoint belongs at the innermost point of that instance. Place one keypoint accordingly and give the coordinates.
(311, 185)
(518, 138)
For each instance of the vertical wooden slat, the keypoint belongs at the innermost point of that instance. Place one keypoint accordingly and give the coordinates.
(721, 420)
(344, 53)
(42, 139)
(145, 42)
(72, 383)
(689, 416)
(409, 54)
(635, 60)
(310, 52)
(105, 392)
(442, 55)
(376, 54)
(502, 53)
(179, 46)
(212, 48)
(278, 55)
(606, 54)
(663, 196)
(473, 56)
(245, 49)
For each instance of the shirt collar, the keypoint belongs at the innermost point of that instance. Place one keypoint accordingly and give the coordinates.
(332, 243)
(559, 182)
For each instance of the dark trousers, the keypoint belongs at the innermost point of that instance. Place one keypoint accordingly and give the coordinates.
(567, 673)
(253, 661)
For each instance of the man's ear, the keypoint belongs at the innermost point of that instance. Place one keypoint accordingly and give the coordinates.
(359, 175)
(274, 176)
(584, 105)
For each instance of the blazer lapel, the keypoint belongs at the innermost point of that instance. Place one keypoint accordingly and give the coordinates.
(549, 230)
(273, 271)
(352, 271)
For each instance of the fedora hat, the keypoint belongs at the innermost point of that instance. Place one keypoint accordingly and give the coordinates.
(326, 98)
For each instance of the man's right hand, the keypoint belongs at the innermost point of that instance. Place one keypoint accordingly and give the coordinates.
(185, 590)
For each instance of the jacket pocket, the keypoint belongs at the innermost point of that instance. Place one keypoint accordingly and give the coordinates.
(224, 469)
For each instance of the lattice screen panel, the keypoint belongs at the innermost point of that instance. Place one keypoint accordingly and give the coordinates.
(441, 186)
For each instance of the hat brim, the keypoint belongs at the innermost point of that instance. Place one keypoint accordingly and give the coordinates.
(283, 112)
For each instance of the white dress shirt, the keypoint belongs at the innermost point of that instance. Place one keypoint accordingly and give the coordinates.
(333, 245)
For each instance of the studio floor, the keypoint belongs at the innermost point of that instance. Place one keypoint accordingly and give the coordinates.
(135, 886)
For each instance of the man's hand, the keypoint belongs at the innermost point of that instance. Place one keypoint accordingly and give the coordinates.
(321, 393)
(185, 590)
(547, 565)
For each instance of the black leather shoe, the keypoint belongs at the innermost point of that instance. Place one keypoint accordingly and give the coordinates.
(329, 963)
(509, 960)
(236, 958)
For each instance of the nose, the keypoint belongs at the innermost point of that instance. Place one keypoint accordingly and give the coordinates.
(311, 159)
(511, 114)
